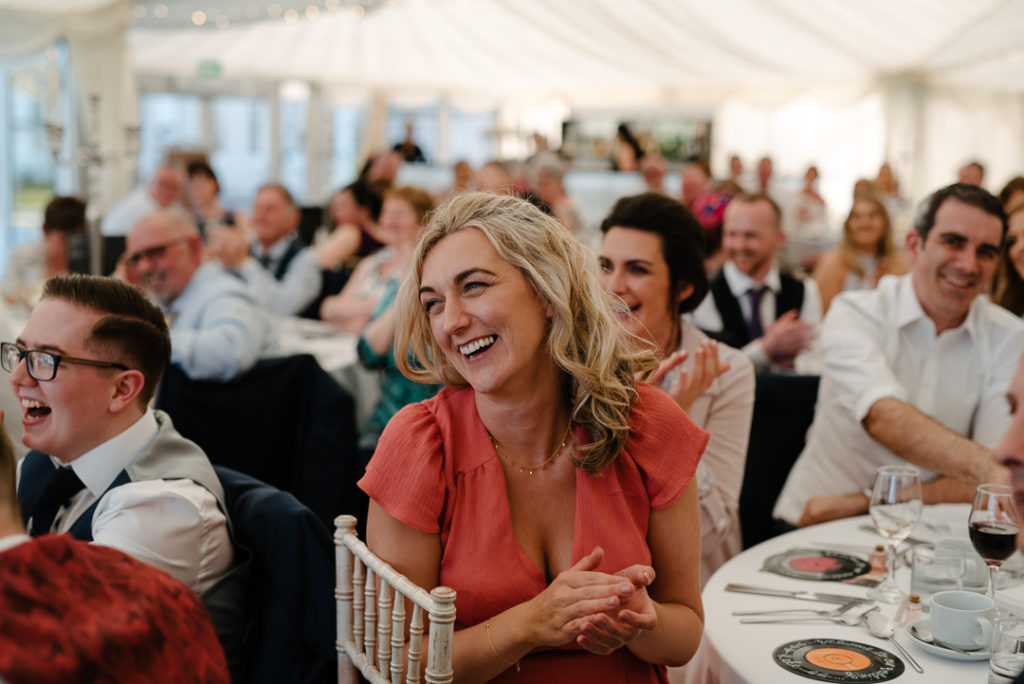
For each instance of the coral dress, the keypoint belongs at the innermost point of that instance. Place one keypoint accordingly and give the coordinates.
(436, 471)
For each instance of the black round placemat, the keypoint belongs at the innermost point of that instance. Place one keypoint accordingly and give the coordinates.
(816, 564)
(835, 660)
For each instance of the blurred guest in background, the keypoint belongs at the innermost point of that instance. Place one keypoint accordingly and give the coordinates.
(163, 191)
(971, 173)
(652, 260)
(628, 151)
(283, 273)
(696, 182)
(354, 210)
(865, 252)
(376, 276)
(408, 148)
(754, 306)
(218, 329)
(653, 168)
(551, 192)
(33, 264)
(405, 211)
(203, 189)
(1009, 288)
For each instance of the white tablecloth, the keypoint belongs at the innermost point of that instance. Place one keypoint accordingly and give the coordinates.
(743, 652)
(336, 353)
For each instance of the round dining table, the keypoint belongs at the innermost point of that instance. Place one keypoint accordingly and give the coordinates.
(734, 652)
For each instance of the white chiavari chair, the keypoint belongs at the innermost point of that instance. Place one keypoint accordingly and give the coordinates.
(373, 601)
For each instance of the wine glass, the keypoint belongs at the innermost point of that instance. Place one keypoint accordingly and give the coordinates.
(895, 508)
(993, 526)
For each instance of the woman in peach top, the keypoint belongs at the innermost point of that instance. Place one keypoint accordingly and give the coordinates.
(543, 483)
(865, 252)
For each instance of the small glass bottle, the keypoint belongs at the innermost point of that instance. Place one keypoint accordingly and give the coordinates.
(877, 559)
(910, 611)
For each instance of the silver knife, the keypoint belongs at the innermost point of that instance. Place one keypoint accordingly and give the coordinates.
(803, 595)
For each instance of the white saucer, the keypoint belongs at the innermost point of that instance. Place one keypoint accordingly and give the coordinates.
(980, 654)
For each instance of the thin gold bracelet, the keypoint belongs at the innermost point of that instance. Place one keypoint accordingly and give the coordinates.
(487, 628)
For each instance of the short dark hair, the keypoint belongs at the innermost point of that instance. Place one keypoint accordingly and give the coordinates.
(133, 331)
(682, 239)
(201, 168)
(66, 214)
(972, 195)
(367, 196)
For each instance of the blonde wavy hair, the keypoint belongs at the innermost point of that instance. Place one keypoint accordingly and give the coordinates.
(885, 250)
(600, 362)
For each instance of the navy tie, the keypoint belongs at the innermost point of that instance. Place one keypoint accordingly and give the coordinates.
(62, 485)
(754, 322)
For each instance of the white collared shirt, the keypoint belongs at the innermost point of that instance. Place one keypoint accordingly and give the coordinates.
(174, 525)
(879, 344)
(299, 286)
(707, 317)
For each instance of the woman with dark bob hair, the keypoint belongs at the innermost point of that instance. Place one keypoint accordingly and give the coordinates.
(553, 491)
(652, 260)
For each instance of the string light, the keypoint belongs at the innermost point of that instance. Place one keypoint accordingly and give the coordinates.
(199, 17)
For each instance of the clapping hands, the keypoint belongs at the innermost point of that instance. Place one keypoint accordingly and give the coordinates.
(601, 612)
(693, 382)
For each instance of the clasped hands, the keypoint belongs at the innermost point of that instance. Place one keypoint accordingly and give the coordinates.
(601, 612)
(786, 337)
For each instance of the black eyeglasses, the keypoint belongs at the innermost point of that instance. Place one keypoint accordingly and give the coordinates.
(152, 253)
(42, 365)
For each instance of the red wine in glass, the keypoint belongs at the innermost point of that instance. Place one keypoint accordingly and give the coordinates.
(994, 541)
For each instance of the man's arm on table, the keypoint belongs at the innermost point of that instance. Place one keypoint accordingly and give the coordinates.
(922, 441)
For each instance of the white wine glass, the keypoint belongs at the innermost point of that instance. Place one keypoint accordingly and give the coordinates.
(993, 526)
(895, 508)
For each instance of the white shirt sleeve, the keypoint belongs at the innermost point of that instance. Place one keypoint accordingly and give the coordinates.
(174, 525)
(855, 359)
(294, 292)
(227, 341)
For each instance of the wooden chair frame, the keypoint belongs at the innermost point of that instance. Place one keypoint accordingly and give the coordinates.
(374, 647)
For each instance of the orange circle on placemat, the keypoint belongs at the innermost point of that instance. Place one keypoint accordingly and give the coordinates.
(841, 659)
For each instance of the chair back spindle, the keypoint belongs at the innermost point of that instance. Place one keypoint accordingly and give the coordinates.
(371, 621)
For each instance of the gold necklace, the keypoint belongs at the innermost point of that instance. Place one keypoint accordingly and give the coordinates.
(500, 450)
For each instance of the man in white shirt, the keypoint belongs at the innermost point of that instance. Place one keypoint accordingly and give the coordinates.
(771, 316)
(218, 329)
(283, 274)
(163, 191)
(915, 371)
(84, 369)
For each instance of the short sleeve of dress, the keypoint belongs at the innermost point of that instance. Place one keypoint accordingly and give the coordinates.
(406, 476)
(665, 445)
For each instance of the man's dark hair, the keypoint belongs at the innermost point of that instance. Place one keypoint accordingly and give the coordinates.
(682, 239)
(132, 332)
(201, 168)
(367, 196)
(66, 214)
(962, 192)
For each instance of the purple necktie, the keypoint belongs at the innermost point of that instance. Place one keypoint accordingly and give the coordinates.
(754, 322)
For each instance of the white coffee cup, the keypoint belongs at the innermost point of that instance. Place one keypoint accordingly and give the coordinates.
(975, 568)
(962, 619)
